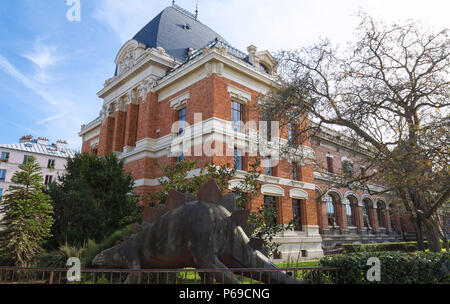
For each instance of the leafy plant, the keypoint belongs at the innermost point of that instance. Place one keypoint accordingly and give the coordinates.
(396, 267)
(27, 219)
(92, 200)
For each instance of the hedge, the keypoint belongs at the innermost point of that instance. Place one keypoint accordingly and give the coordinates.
(396, 267)
(374, 247)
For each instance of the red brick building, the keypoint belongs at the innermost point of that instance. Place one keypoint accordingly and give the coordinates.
(348, 215)
(180, 91)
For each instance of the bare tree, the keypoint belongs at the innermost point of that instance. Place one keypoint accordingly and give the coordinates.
(389, 93)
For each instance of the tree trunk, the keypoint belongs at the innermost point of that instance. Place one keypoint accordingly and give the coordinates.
(433, 236)
(419, 235)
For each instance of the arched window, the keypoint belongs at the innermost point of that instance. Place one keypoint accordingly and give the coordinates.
(297, 214)
(349, 212)
(381, 220)
(331, 211)
(366, 218)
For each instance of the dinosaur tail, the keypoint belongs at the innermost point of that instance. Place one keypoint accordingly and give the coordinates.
(251, 258)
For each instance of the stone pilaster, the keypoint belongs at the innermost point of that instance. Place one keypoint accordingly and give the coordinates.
(132, 104)
(107, 129)
(119, 126)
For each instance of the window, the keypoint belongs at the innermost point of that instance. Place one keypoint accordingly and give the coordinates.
(180, 158)
(295, 175)
(365, 214)
(330, 164)
(380, 213)
(51, 164)
(236, 115)
(297, 213)
(5, 157)
(26, 158)
(347, 168)
(181, 120)
(269, 130)
(269, 171)
(2, 175)
(1, 192)
(349, 212)
(270, 203)
(330, 211)
(263, 68)
(292, 139)
(48, 179)
(237, 160)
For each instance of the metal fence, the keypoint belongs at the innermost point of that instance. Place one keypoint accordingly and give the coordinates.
(309, 275)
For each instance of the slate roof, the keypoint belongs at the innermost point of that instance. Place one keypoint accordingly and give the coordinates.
(36, 148)
(169, 31)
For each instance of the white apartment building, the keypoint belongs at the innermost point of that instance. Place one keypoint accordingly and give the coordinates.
(51, 157)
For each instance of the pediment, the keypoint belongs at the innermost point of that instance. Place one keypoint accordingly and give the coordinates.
(128, 55)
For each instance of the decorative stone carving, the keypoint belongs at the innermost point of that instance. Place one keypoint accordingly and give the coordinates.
(180, 101)
(145, 87)
(126, 62)
(131, 97)
(238, 94)
(128, 56)
(111, 109)
(121, 104)
(214, 68)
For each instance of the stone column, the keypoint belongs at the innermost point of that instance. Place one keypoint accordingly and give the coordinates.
(387, 220)
(374, 220)
(343, 214)
(359, 222)
(324, 214)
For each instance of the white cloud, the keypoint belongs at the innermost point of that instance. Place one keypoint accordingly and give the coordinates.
(58, 105)
(44, 57)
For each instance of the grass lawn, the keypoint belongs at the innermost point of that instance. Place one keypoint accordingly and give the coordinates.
(189, 277)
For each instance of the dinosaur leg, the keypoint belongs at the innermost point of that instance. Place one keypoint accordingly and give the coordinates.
(212, 262)
(133, 277)
(134, 264)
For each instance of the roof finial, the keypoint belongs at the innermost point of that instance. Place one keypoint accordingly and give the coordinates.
(173, 2)
(196, 11)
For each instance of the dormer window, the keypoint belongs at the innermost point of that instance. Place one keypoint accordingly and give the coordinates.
(264, 68)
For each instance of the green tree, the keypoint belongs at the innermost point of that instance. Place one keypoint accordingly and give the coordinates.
(92, 200)
(27, 216)
(389, 93)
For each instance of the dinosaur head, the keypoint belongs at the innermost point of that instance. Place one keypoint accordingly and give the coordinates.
(112, 257)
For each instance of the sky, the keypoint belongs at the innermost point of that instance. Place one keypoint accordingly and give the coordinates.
(51, 68)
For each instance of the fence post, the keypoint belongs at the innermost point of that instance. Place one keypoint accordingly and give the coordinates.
(51, 278)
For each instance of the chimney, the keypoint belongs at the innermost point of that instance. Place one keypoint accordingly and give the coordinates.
(251, 54)
(25, 139)
(61, 144)
(42, 141)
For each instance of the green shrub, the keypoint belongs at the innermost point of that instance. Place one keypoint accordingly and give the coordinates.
(374, 247)
(58, 258)
(396, 267)
(92, 248)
